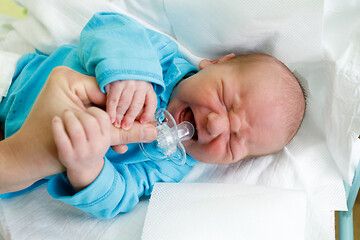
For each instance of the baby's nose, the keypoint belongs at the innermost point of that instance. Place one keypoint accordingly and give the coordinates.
(217, 124)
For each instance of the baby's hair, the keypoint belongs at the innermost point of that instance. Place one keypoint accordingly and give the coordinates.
(296, 110)
(294, 94)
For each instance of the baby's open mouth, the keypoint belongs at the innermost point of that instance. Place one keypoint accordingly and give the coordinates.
(188, 115)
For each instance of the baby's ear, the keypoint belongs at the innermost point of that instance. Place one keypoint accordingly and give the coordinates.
(226, 58)
(206, 62)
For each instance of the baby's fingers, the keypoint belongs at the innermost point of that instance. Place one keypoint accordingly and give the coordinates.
(75, 131)
(62, 141)
(90, 125)
(121, 148)
(112, 101)
(123, 105)
(135, 108)
(102, 119)
(150, 107)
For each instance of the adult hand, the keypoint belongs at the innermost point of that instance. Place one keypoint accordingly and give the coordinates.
(30, 154)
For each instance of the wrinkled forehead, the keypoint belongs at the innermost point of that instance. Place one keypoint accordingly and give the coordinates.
(263, 97)
(264, 80)
(252, 70)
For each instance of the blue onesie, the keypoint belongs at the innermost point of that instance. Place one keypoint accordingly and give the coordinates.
(112, 47)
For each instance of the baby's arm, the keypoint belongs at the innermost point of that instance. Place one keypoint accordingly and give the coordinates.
(82, 139)
(121, 54)
(119, 185)
(128, 100)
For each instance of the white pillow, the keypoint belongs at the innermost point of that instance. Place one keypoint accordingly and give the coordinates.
(289, 30)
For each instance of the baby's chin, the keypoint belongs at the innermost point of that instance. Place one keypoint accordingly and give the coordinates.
(208, 160)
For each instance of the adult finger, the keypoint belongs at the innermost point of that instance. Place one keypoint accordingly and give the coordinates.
(67, 84)
(137, 133)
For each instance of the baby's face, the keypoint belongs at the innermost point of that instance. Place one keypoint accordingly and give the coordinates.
(234, 109)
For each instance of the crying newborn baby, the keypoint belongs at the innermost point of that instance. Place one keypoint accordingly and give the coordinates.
(242, 106)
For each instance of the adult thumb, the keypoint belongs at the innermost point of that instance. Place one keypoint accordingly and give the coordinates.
(82, 90)
(137, 133)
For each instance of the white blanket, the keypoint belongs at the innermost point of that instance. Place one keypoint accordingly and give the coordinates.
(314, 161)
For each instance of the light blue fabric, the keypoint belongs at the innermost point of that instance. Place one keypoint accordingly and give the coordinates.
(111, 47)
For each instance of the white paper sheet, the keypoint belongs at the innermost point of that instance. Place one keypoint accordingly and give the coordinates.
(224, 211)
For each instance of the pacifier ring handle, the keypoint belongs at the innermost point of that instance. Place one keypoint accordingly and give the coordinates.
(170, 135)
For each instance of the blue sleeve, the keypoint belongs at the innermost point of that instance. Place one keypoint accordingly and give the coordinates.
(115, 47)
(118, 187)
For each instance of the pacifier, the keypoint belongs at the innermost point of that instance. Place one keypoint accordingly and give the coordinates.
(168, 144)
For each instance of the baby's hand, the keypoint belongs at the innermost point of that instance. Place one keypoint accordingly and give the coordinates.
(129, 99)
(82, 139)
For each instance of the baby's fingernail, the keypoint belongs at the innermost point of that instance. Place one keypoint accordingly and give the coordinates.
(126, 126)
(123, 149)
(148, 134)
(56, 119)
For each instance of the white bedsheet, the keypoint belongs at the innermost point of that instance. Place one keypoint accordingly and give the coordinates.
(310, 162)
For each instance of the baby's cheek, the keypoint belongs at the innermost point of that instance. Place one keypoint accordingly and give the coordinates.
(216, 152)
(239, 150)
(208, 153)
